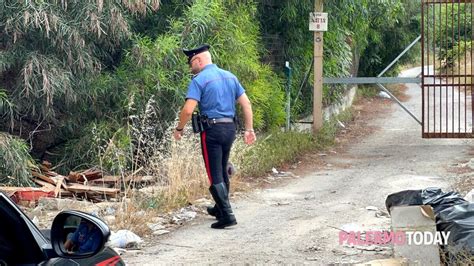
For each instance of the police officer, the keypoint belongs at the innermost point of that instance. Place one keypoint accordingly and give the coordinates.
(216, 91)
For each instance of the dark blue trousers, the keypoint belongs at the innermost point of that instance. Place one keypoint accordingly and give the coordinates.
(216, 143)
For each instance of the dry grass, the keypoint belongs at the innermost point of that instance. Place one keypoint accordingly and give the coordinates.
(132, 217)
(179, 172)
(183, 172)
(456, 256)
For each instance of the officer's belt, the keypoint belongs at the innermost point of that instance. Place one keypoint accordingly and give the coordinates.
(220, 120)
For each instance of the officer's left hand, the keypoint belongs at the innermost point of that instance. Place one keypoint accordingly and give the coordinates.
(177, 134)
(249, 137)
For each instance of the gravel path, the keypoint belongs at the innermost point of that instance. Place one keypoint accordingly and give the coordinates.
(298, 223)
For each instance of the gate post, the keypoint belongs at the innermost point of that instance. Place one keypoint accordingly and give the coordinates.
(318, 74)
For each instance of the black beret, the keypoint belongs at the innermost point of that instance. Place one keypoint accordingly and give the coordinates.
(192, 52)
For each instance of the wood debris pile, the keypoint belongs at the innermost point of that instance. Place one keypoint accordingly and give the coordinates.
(89, 184)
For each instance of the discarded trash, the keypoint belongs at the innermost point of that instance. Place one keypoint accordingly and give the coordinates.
(124, 239)
(434, 197)
(439, 200)
(341, 124)
(383, 94)
(280, 203)
(183, 216)
(458, 220)
(403, 198)
(470, 196)
(160, 232)
(380, 214)
(371, 208)
(155, 227)
(35, 220)
(453, 214)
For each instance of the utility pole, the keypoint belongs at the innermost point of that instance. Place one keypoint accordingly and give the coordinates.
(318, 73)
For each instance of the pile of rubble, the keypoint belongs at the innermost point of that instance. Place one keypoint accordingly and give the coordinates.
(89, 184)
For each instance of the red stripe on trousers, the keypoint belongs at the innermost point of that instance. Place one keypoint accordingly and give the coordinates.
(206, 156)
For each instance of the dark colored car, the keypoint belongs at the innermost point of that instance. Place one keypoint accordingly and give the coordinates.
(75, 238)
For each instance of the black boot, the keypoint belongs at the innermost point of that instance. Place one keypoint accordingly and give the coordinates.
(214, 211)
(221, 197)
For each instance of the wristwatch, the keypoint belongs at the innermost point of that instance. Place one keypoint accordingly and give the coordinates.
(179, 129)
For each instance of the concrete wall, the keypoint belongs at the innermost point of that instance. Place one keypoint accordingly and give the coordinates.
(329, 111)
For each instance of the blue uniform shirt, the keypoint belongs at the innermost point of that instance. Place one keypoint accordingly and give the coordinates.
(87, 240)
(216, 90)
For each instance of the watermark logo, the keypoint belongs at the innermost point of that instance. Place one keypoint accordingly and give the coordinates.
(367, 238)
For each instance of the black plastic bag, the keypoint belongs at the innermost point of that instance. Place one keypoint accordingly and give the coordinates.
(453, 214)
(434, 197)
(404, 198)
(439, 200)
(459, 221)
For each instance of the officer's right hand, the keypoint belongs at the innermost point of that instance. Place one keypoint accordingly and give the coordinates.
(177, 134)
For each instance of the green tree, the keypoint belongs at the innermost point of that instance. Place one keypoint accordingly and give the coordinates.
(392, 27)
(51, 50)
(363, 36)
(153, 77)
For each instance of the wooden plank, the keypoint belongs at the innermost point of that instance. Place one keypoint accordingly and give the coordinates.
(43, 183)
(74, 177)
(87, 175)
(77, 188)
(61, 180)
(92, 174)
(44, 178)
(65, 193)
(107, 180)
(57, 190)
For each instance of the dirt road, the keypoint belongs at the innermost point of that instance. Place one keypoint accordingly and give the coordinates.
(298, 222)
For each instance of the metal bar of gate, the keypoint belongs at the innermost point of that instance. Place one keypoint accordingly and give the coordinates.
(379, 80)
(399, 56)
(371, 80)
(387, 68)
(399, 103)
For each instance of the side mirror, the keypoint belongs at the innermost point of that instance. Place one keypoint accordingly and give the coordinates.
(76, 234)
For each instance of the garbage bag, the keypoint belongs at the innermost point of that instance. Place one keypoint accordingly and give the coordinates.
(404, 198)
(453, 214)
(124, 239)
(440, 200)
(434, 197)
(459, 221)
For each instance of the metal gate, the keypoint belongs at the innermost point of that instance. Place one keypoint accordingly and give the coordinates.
(447, 75)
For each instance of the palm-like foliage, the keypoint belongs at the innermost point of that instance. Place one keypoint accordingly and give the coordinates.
(50, 50)
(15, 163)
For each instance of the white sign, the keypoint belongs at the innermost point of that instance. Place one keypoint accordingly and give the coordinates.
(318, 21)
